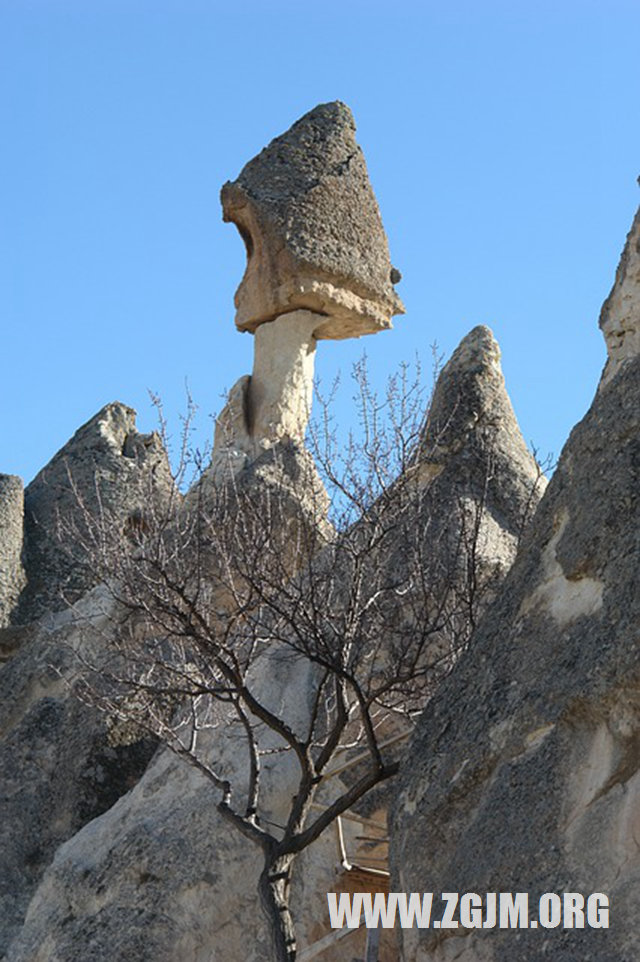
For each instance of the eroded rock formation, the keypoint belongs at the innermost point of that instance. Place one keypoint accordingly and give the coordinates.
(472, 450)
(164, 847)
(59, 769)
(311, 225)
(102, 477)
(620, 317)
(11, 537)
(524, 773)
(317, 268)
(274, 404)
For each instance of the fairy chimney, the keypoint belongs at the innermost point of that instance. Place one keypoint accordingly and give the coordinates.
(317, 263)
(311, 225)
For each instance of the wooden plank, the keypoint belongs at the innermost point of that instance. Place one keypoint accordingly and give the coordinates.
(314, 950)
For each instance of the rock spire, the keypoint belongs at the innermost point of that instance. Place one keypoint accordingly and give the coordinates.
(165, 845)
(524, 773)
(620, 316)
(317, 268)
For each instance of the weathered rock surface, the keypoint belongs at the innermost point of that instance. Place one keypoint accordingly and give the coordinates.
(282, 380)
(524, 774)
(160, 875)
(274, 404)
(106, 473)
(310, 222)
(464, 505)
(11, 525)
(472, 448)
(620, 317)
(58, 769)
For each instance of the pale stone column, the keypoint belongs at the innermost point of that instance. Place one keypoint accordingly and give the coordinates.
(281, 387)
(318, 268)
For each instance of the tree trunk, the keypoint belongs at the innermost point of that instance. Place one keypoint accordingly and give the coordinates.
(275, 883)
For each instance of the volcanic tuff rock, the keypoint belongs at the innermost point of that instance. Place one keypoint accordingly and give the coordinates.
(473, 483)
(472, 441)
(620, 317)
(310, 222)
(11, 522)
(60, 764)
(317, 267)
(274, 404)
(58, 769)
(525, 774)
(451, 525)
(104, 475)
(161, 876)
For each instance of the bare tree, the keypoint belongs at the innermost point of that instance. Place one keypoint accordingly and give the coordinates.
(211, 593)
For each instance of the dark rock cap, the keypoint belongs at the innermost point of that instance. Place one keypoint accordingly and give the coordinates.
(314, 237)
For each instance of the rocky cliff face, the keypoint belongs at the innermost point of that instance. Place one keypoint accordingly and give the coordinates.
(472, 457)
(160, 875)
(59, 770)
(524, 772)
(106, 473)
(11, 537)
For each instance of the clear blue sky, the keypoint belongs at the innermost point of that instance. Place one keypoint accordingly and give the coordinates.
(503, 142)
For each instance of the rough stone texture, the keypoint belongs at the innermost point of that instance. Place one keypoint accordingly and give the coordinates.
(274, 404)
(524, 774)
(281, 388)
(163, 849)
(472, 463)
(161, 876)
(254, 475)
(620, 317)
(310, 222)
(58, 769)
(104, 475)
(472, 468)
(473, 458)
(71, 774)
(11, 524)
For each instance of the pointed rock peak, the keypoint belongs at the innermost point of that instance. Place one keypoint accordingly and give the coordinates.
(472, 437)
(469, 397)
(311, 225)
(477, 351)
(109, 434)
(109, 427)
(620, 316)
(538, 723)
(103, 476)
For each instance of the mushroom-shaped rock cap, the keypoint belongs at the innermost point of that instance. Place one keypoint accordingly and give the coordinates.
(310, 221)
